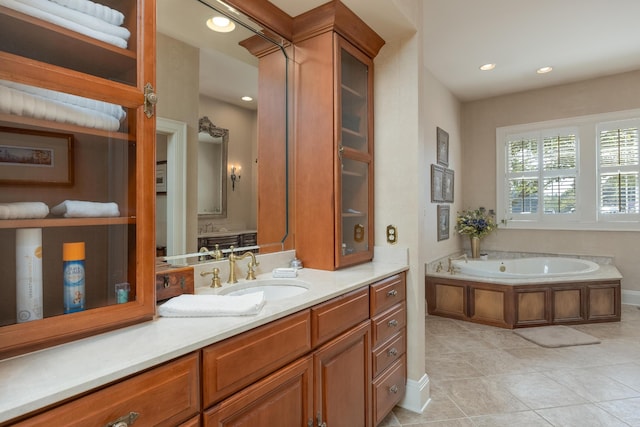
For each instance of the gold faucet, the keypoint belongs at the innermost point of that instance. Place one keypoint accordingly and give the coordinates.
(452, 268)
(215, 254)
(215, 280)
(232, 265)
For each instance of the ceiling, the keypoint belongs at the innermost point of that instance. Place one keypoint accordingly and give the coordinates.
(580, 39)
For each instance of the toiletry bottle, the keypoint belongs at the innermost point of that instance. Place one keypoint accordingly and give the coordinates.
(73, 276)
(28, 274)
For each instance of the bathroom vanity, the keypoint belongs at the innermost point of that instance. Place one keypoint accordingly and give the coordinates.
(299, 356)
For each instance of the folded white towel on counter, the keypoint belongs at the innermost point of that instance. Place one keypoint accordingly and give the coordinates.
(113, 110)
(56, 19)
(97, 10)
(187, 305)
(13, 101)
(82, 209)
(23, 210)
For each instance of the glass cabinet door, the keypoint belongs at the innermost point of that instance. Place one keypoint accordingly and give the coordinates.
(76, 209)
(354, 237)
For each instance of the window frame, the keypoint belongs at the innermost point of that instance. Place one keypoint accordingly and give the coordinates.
(587, 215)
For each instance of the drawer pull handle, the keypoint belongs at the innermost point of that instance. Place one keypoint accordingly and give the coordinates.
(393, 389)
(166, 281)
(392, 293)
(392, 351)
(124, 421)
(392, 323)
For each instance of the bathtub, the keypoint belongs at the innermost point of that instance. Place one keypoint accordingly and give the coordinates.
(534, 291)
(526, 268)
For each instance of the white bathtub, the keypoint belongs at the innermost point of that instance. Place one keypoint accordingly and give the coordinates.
(526, 268)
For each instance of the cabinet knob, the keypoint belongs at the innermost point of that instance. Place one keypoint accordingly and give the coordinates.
(124, 421)
(393, 389)
(392, 293)
(150, 100)
(392, 323)
(392, 351)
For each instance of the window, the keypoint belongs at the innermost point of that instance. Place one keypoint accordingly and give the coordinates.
(580, 173)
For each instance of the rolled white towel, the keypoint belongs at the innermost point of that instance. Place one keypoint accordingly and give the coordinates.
(113, 110)
(82, 209)
(23, 210)
(97, 10)
(213, 305)
(53, 18)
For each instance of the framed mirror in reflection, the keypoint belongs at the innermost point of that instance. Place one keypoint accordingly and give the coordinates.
(203, 73)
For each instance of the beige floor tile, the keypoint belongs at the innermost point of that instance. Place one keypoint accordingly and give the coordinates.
(482, 396)
(436, 345)
(441, 408)
(627, 374)
(442, 326)
(519, 419)
(467, 341)
(539, 391)
(501, 338)
(627, 410)
(495, 362)
(588, 415)
(591, 385)
(447, 368)
(462, 422)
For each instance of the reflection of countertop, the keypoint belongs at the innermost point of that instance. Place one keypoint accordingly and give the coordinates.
(225, 233)
(39, 379)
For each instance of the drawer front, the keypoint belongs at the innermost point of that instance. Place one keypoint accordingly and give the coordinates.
(174, 282)
(388, 389)
(330, 319)
(387, 292)
(234, 363)
(163, 396)
(389, 352)
(388, 323)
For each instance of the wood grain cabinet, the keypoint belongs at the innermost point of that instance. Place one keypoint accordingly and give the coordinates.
(72, 110)
(165, 396)
(334, 53)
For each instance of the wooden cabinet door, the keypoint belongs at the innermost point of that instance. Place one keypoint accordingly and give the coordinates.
(342, 375)
(281, 399)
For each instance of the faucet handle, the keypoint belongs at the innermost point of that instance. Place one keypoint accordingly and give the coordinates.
(251, 274)
(215, 280)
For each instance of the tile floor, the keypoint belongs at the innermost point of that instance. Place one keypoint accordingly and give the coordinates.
(486, 376)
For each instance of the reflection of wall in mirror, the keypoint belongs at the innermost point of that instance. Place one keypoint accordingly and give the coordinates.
(241, 122)
(161, 199)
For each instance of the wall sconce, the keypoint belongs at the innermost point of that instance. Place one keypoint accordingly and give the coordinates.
(235, 177)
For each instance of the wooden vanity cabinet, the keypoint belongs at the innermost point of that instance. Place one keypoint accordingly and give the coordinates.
(334, 53)
(95, 159)
(164, 396)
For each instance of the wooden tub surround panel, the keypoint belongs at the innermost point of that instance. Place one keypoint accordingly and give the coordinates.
(521, 305)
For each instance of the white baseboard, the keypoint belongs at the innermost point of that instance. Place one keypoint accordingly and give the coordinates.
(631, 297)
(417, 395)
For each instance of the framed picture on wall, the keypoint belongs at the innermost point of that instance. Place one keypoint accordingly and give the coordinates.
(447, 186)
(442, 138)
(437, 180)
(443, 222)
(161, 177)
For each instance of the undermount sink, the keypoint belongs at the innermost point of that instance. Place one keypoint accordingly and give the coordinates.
(274, 289)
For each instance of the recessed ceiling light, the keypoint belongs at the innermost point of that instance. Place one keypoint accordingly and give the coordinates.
(544, 70)
(487, 67)
(220, 24)
(247, 98)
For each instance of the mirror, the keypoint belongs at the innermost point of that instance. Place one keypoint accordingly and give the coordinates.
(212, 169)
(204, 73)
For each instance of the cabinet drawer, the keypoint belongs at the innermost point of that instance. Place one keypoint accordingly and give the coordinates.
(330, 319)
(233, 364)
(388, 389)
(163, 396)
(388, 323)
(389, 352)
(173, 282)
(387, 293)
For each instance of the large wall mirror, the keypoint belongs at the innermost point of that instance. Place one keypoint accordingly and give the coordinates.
(204, 75)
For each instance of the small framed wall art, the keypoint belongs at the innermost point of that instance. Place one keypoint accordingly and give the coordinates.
(443, 222)
(443, 147)
(447, 186)
(437, 180)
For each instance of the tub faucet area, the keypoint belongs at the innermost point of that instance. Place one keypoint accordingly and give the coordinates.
(451, 268)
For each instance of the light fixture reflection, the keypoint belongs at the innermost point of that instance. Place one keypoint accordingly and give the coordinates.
(220, 24)
(487, 67)
(235, 176)
(544, 70)
(247, 98)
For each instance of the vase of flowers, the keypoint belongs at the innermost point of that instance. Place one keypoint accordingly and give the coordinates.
(476, 223)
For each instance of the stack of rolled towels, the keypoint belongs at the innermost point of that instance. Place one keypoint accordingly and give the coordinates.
(82, 16)
(66, 209)
(45, 104)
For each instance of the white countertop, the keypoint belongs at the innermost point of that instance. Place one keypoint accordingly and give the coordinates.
(36, 380)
